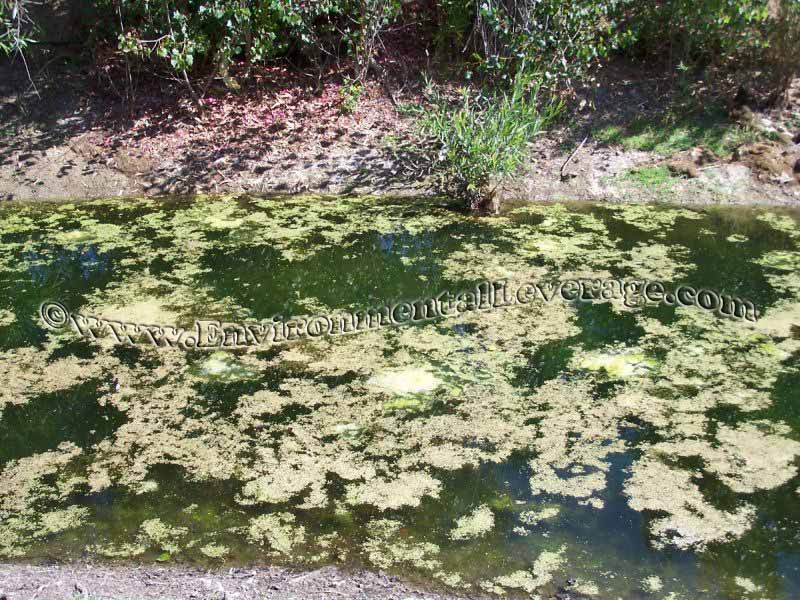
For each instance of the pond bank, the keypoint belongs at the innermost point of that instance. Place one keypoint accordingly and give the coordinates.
(69, 582)
(72, 143)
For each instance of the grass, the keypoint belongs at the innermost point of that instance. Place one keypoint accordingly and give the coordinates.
(656, 179)
(483, 136)
(675, 132)
(657, 176)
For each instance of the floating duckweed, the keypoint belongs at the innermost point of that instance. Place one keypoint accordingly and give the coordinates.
(533, 517)
(316, 436)
(691, 522)
(29, 483)
(7, 317)
(215, 551)
(782, 260)
(450, 579)
(126, 550)
(652, 584)
(105, 235)
(783, 223)
(651, 218)
(407, 489)
(24, 379)
(157, 533)
(278, 531)
(16, 222)
(223, 366)
(618, 365)
(658, 262)
(147, 311)
(348, 430)
(473, 525)
(415, 380)
(748, 458)
(587, 588)
(386, 549)
(737, 238)
(61, 520)
(147, 487)
(540, 574)
(747, 585)
(518, 579)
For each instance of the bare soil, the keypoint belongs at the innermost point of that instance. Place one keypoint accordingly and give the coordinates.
(103, 582)
(283, 134)
(758, 173)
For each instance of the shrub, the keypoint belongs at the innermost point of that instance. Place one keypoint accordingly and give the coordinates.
(561, 40)
(484, 136)
(206, 35)
(747, 42)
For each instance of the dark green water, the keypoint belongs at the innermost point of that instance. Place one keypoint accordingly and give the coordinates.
(641, 452)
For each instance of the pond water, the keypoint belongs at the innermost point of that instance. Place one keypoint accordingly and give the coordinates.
(615, 451)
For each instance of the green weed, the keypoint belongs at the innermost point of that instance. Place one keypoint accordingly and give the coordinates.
(484, 136)
(674, 133)
(350, 92)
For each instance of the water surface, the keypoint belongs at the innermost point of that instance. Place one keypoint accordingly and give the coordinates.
(614, 451)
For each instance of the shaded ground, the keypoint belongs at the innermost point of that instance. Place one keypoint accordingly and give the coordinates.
(142, 583)
(291, 138)
(283, 133)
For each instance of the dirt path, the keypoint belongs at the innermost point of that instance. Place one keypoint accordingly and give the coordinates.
(74, 582)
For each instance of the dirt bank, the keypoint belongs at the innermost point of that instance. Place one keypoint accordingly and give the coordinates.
(281, 135)
(73, 582)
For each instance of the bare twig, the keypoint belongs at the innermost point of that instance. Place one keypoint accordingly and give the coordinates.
(569, 159)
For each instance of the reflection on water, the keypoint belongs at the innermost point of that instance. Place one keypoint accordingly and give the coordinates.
(605, 450)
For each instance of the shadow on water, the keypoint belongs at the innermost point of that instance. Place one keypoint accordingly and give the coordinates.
(43, 422)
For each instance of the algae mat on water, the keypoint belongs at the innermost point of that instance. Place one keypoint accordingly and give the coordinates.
(615, 451)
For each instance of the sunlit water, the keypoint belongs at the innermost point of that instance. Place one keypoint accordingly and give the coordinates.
(616, 452)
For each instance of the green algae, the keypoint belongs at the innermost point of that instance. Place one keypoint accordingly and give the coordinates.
(222, 366)
(618, 364)
(473, 525)
(360, 442)
(167, 538)
(7, 317)
(278, 531)
(408, 381)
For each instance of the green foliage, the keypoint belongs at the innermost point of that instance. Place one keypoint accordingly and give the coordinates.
(657, 177)
(560, 40)
(702, 30)
(181, 33)
(484, 137)
(752, 42)
(15, 26)
(186, 34)
(350, 92)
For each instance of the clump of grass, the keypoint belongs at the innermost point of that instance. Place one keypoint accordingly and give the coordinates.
(483, 137)
(656, 179)
(676, 132)
(655, 176)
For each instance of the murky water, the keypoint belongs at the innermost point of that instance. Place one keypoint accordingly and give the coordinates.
(618, 452)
